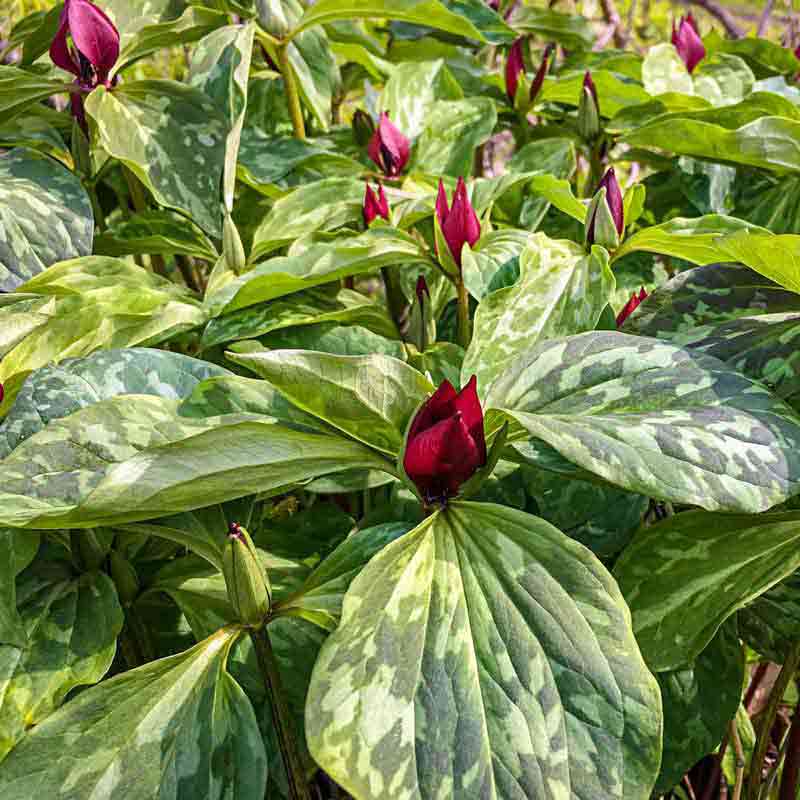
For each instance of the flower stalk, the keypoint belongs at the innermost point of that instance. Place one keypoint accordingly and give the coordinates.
(292, 94)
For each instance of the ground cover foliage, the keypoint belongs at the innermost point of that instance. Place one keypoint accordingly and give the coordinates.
(399, 399)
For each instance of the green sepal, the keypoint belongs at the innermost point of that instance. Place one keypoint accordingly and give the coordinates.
(232, 247)
(633, 203)
(125, 579)
(81, 154)
(246, 579)
(473, 485)
(444, 256)
(522, 99)
(599, 217)
(422, 325)
(588, 116)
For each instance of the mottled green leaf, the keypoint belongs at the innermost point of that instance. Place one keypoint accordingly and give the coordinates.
(319, 206)
(193, 24)
(87, 304)
(328, 337)
(302, 308)
(764, 57)
(72, 626)
(452, 132)
(45, 216)
(698, 239)
(320, 263)
(775, 257)
(699, 701)
(771, 624)
(20, 89)
(574, 32)
(485, 640)
(180, 724)
(769, 142)
(496, 252)
(561, 290)
(421, 12)
(656, 419)
(663, 71)
(414, 90)
(220, 69)
(558, 191)
(136, 457)
(723, 79)
(56, 391)
(683, 577)
(12, 631)
(316, 72)
(172, 137)
(156, 231)
(371, 398)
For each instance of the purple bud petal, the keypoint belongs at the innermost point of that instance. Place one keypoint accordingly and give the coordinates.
(388, 148)
(688, 43)
(613, 199)
(588, 83)
(515, 66)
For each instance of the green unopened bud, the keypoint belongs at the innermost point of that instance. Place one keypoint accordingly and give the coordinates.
(363, 127)
(272, 18)
(245, 578)
(80, 150)
(588, 111)
(600, 227)
(125, 578)
(232, 247)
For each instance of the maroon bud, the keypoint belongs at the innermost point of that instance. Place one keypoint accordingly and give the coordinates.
(688, 43)
(631, 306)
(446, 442)
(422, 293)
(460, 223)
(541, 73)
(588, 83)
(613, 199)
(235, 531)
(797, 52)
(375, 205)
(77, 110)
(494, 5)
(388, 148)
(95, 44)
(2, 392)
(515, 66)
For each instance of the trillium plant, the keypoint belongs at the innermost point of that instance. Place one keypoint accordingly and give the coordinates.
(399, 400)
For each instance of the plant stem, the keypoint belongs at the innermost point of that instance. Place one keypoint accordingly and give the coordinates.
(141, 635)
(791, 766)
(394, 298)
(189, 272)
(139, 201)
(292, 95)
(762, 742)
(298, 787)
(464, 334)
(97, 209)
(740, 762)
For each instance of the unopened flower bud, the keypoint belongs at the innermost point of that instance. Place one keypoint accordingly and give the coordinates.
(363, 127)
(605, 218)
(631, 306)
(421, 324)
(245, 578)
(589, 110)
(232, 247)
(388, 148)
(687, 42)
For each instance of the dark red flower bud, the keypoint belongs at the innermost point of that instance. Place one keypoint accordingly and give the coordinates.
(631, 306)
(613, 198)
(541, 73)
(422, 293)
(95, 43)
(2, 392)
(797, 52)
(446, 442)
(588, 83)
(494, 5)
(515, 66)
(375, 205)
(688, 43)
(388, 148)
(460, 223)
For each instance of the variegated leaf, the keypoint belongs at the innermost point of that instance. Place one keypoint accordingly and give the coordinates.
(56, 391)
(561, 290)
(656, 419)
(72, 627)
(137, 457)
(484, 654)
(220, 69)
(371, 398)
(699, 701)
(683, 577)
(87, 304)
(320, 263)
(180, 724)
(45, 216)
(172, 137)
(771, 624)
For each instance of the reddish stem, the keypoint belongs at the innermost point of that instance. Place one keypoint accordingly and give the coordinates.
(791, 765)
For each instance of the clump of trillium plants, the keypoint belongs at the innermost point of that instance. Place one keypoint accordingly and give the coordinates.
(398, 402)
